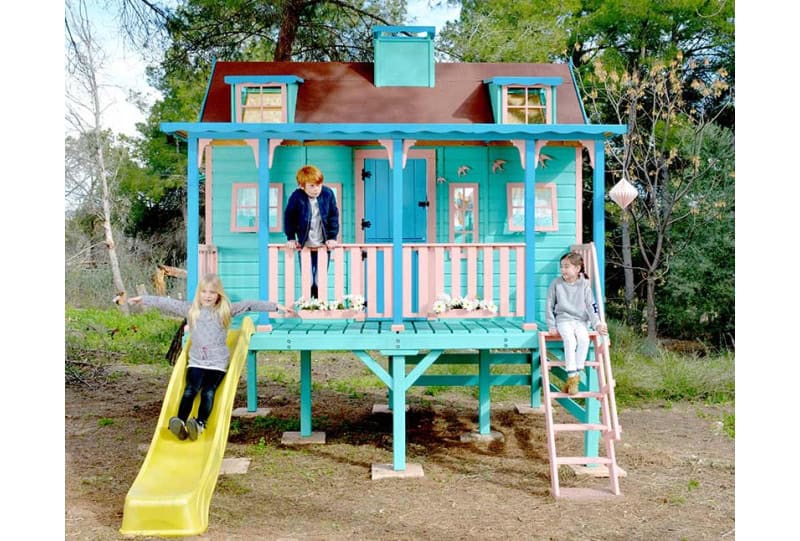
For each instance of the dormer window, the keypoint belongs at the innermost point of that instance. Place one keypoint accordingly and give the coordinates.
(525, 105)
(524, 100)
(263, 99)
(262, 103)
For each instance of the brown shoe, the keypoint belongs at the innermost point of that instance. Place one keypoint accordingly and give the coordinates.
(571, 386)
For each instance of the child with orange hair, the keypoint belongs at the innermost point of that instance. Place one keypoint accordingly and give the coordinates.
(311, 217)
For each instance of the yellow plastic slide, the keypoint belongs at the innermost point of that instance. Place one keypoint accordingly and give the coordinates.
(172, 493)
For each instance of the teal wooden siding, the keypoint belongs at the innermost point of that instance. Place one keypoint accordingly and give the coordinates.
(493, 205)
(238, 257)
(238, 265)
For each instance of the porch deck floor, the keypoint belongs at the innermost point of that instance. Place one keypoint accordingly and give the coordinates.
(339, 334)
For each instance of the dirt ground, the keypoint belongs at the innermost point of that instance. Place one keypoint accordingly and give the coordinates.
(679, 464)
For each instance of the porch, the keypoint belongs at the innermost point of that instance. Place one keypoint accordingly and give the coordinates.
(476, 271)
(422, 339)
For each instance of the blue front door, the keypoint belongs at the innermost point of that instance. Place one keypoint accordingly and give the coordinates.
(378, 210)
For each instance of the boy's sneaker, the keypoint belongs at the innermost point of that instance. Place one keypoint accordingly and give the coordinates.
(195, 428)
(571, 386)
(177, 427)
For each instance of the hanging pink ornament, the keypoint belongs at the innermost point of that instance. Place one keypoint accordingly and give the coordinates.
(623, 193)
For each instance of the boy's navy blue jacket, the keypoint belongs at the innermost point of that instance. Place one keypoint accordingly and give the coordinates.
(297, 215)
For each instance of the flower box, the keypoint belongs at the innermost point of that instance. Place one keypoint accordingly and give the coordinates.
(462, 313)
(357, 315)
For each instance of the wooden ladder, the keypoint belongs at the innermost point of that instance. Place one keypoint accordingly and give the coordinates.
(608, 426)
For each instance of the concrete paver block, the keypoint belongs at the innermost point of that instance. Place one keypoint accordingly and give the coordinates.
(242, 412)
(294, 438)
(387, 471)
(527, 409)
(232, 466)
(383, 408)
(478, 437)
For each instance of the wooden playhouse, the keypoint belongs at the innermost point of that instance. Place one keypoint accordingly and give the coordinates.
(459, 179)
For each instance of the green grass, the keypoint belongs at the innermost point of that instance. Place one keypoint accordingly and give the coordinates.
(279, 425)
(95, 334)
(643, 375)
(729, 424)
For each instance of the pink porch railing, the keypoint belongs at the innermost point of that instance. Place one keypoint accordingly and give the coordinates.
(493, 272)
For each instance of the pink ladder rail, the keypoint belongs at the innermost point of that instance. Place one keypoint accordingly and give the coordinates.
(589, 254)
(605, 426)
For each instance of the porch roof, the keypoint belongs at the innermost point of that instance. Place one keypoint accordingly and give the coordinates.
(374, 131)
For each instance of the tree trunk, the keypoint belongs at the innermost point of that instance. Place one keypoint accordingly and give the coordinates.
(90, 67)
(627, 267)
(288, 32)
(651, 308)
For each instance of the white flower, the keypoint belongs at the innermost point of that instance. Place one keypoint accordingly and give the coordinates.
(348, 302)
(355, 302)
(444, 303)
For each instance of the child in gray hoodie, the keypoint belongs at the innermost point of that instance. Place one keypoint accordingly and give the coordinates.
(570, 309)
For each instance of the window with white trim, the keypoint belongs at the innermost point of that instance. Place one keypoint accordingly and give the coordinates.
(525, 105)
(464, 213)
(261, 103)
(244, 207)
(545, 209)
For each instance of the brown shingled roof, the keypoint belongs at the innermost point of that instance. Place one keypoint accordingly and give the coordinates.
(337, 92)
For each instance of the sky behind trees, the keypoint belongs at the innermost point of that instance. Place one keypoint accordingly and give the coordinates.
(126, 69)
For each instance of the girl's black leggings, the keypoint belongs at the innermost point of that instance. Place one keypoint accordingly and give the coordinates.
(205, 382)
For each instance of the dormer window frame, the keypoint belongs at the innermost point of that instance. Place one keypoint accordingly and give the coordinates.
(527, 107)
(287, 85)
(242, 107)
(500, 86)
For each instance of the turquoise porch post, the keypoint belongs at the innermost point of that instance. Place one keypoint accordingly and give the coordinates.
(305, 393)
(252, 394)
(398, 405)
(530, 231)
(397, 394)
(263, 261)
(263, 226)
(536, 379)
(591, 440)
(484, 392)
(192, 217)
(599, 210)
(397, 232)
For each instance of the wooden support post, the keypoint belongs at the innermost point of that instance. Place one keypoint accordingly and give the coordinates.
(484, 392)
(398, 405)
(536, 379)
(591, 441)
(252, 391)
(305, 393)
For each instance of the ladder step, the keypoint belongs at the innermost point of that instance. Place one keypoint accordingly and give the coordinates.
(581, 394)
(578, 427)
(564, 363)
(582, 460)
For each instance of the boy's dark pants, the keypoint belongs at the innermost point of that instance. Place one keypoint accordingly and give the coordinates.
(314, 289)
(205, 382)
